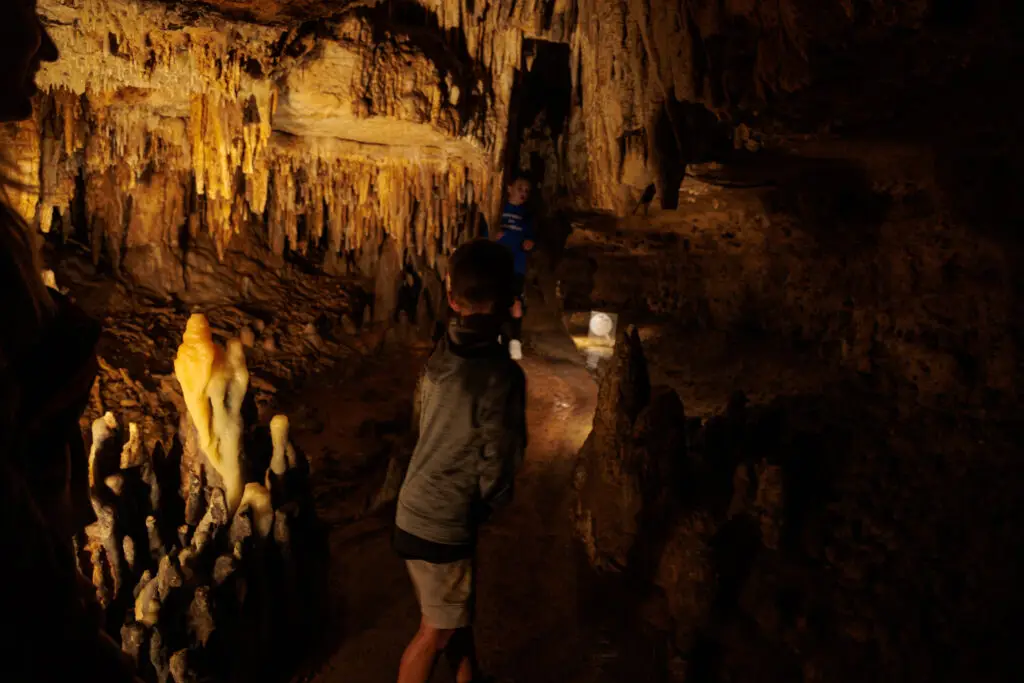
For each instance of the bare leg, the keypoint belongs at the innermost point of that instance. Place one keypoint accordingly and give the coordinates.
(421, 654)
(517, 320)
(461, 655)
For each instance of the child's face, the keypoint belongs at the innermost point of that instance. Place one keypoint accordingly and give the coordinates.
(519, 192)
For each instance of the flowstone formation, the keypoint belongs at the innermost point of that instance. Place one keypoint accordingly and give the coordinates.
(205, 560)
(318, 129)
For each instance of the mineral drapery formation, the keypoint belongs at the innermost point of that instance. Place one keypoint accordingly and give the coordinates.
(191, 559)
(324, 126)
(161, 126)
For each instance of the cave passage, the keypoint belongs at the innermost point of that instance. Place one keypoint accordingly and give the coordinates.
(539, 111)
(795, 459)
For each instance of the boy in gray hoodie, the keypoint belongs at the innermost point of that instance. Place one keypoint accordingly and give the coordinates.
(472, 437)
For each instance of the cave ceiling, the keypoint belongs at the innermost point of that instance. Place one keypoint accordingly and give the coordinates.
(272, 11)
(374, 117)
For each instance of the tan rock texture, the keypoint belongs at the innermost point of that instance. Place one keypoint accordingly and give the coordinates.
(323, 126)
(629, 469)
(831, 224)
(167, 123)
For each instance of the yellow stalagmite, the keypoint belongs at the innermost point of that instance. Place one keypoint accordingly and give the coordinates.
(198, 360)
(283, 455)
(257, 499)
(214, 385)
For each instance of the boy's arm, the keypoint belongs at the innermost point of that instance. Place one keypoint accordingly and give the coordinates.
(529, 240)
(503, 419)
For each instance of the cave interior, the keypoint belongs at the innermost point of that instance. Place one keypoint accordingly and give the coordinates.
(799, 460)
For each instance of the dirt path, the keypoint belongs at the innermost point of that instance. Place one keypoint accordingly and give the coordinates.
(533, 621)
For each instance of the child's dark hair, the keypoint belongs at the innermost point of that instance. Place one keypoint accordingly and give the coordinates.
(481, 275)
(519, 175)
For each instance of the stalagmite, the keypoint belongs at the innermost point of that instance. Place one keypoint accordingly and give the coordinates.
(156, 545)
(284, 453)
(180, 671)
(103, 429)
(150, 479)
(216, 517)
(104, 533)
(188, 562)
(131, 452)
(147, 604)
(226, 390)
(222, 561)
(194, 502)
(197, 360)
(224, 568)
(200, 616)
(168, 577)
(133, 640)
(115, 483)
(241, 529)
(257, 500)
(143, 581)
(128, 546)
(158, 657)
(214, 386)
(184, 534)
(99, 576)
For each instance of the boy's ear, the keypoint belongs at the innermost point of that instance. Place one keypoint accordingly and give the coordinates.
(451, 302)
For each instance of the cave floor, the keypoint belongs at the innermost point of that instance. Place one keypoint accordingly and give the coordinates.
(541, 615)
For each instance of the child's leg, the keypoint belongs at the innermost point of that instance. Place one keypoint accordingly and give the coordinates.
(516, 326)
(461, 655)
(515, 332)
(421, 654)
(445, 594)
(461, 650)
(518, 309)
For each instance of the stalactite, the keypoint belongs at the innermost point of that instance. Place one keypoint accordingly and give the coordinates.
(168, 120)
(357, 197)
(150, 117)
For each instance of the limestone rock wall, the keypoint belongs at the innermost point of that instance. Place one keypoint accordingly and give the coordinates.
(163, 115)
(642, 65)
(855, 273)
(160, 125)
(813, 536)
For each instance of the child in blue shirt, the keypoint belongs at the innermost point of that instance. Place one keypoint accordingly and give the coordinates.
(516, 233)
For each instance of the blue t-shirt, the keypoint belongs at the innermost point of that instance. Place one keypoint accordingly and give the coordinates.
(516, 228)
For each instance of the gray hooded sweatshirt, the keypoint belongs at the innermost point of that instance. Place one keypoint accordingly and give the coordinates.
(472, 436)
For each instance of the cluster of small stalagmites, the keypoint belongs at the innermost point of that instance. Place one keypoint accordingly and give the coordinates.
(182, 568)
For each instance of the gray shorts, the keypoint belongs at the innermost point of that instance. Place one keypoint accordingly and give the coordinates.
(445, 592)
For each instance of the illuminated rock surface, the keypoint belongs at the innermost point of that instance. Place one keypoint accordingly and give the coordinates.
(221, 578)
(812, 203)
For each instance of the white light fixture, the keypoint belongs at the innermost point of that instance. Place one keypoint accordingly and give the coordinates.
(602, 326)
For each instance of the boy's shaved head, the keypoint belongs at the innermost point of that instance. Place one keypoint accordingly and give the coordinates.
(480, 277)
